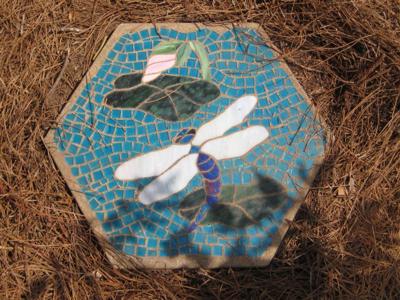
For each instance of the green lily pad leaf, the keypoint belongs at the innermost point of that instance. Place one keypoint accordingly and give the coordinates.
(168, 47)
(239, 206)
(168, 97)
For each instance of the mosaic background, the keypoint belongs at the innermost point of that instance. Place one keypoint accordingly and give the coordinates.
(95, 138)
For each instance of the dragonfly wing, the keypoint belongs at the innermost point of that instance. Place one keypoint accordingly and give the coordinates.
(171, 181)
(151, 164)
(233, 115)
(235, 144)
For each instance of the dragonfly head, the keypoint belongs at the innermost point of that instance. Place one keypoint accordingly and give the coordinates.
(185, 136)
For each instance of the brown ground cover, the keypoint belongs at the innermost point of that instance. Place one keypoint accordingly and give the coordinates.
(345, 240)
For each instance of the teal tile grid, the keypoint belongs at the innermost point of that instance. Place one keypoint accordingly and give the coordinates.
(92, 139)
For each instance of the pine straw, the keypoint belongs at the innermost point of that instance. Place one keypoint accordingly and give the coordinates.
(345, 241)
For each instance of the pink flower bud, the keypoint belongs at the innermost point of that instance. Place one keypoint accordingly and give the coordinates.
(157, 64)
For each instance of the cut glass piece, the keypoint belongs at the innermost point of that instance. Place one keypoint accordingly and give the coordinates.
(168, 97)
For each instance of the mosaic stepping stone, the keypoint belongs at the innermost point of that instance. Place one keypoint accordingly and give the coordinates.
(189, 145)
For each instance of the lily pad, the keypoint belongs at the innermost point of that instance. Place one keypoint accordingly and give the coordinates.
(239, 206)
(169, 97)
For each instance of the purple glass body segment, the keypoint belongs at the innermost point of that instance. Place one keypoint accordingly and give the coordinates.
(199, 217)
(209, 170)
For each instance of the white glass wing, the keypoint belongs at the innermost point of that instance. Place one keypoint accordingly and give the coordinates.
(235, 144)
(151, 164)
(172, 181)
(233, 115)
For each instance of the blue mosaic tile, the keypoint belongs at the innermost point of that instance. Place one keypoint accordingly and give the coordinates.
(230, 206)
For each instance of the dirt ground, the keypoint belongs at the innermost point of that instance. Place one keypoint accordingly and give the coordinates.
(345, 240)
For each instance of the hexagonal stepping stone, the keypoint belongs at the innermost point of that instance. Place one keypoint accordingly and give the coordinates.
(189, 145)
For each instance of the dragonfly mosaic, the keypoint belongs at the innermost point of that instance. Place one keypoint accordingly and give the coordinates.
(188, 141)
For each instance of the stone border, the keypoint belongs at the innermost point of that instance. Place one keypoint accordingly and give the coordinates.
(121, 260)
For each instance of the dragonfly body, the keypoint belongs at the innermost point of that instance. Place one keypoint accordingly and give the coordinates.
(210, 172)
(195, 151)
